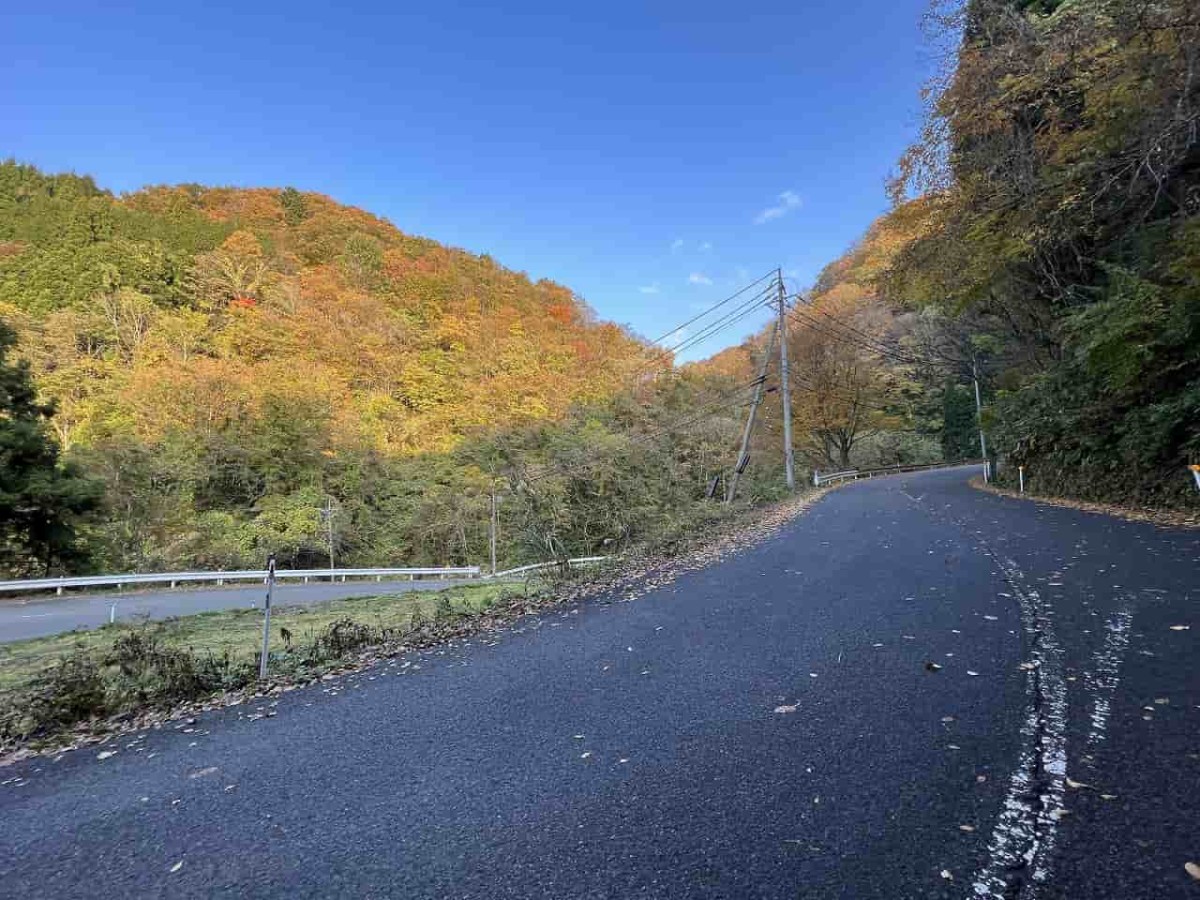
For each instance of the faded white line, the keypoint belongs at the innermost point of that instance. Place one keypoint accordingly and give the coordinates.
(1022, 842)
(1027, 828)
(1102, 679)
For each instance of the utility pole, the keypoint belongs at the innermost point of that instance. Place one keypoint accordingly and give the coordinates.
(979, 419)
(327, 515)
(492, 535)
(760, 384)
(789, 456)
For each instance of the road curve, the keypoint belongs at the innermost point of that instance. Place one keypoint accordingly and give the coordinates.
(772, 725)
(40, 616)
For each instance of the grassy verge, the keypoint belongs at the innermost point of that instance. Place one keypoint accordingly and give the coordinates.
(51, 686)
(79, 686)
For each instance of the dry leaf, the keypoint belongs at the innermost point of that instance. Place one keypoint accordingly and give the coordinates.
(177, 866)
(966, 828)
(969, 672)
(1192, 869)
(105, 754)
(1076, 785)
(787, 709)
(1180, 627)
(945, 873)
(585, 755)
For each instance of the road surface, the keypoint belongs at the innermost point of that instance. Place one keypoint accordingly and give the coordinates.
(768, 726)
(38, 616)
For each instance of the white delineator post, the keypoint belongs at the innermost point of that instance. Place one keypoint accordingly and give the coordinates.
(1021, 477)
(266, 644)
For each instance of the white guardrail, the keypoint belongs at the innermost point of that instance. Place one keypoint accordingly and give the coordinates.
(580, 561)
(174, 579)
(854, 474)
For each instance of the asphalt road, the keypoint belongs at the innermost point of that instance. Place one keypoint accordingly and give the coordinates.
(763, 727)
(38, 616)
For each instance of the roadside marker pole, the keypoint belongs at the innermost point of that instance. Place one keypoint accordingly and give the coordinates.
(1196, 475)
(1021, 476)
(266, 645)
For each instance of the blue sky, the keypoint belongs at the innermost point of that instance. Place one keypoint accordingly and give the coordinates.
(651, 156)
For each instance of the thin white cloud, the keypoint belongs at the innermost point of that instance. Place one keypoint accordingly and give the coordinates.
(788, 201)
(676, 244)
(699, 278)
(649, 288)
(706, 246)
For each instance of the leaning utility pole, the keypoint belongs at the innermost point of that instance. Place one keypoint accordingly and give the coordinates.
(789, 456)
(979, 419)
(759, 385)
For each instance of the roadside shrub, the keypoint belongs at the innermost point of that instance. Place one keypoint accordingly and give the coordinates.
(146, 672)
(71, 692)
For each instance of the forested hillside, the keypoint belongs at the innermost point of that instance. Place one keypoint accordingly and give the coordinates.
(253, 371)
(1046, 239)
(1060, 167)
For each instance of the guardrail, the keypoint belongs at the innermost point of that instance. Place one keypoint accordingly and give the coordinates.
(176, 578)
(580, 561)
(855, 474)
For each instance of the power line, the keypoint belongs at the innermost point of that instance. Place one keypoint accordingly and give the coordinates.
(846, 326)
(715, 306)
(728, 320)
(828, 331)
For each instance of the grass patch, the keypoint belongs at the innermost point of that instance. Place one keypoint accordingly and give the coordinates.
(51, 684)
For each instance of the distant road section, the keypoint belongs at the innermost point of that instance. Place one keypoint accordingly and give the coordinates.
(21, 619)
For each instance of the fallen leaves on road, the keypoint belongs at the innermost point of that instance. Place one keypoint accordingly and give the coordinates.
(105, 754)
(787, 709)
(201, 773)
(1192, 869)
(945, 873)
(932, 667)
(175, 868)
(967, 828)
(1181, 627)
(1076, 785)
